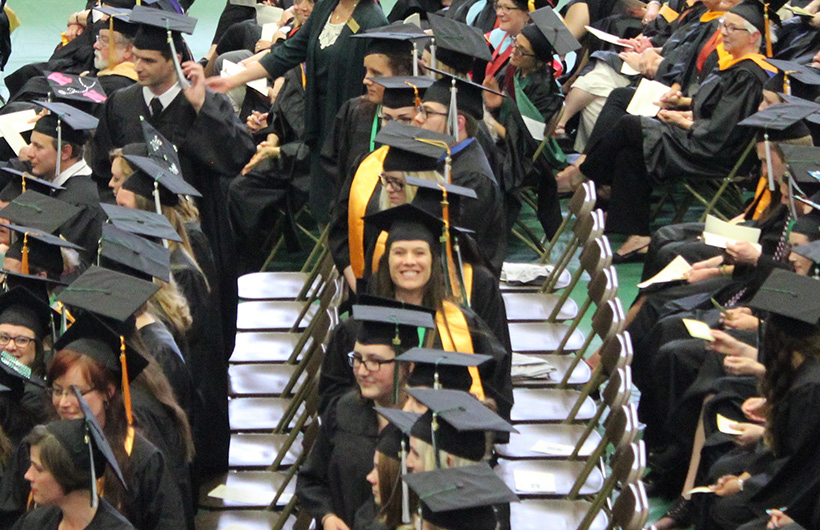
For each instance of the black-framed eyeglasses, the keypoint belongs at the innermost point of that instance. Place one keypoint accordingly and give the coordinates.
(20, 340)
(397, 183)
(518, 49)
(59, 393)
(371, 365)
(426, 113)
(730, 28)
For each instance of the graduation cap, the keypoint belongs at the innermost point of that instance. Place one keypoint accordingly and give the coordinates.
(790, 295)
(141, 258)
(808, 225)
(393, 442)
(39, 211)
(161, 31)
(459, 95)
(171, 6)
(548, 33)
(148, 224)
(108, 293)
(389, 325)
(469, 443)
(396, 38)
(22, 181)
(442, 369)
(759, 15)
(39, 249)
(430, 195)
(461, 410)
(407, 222)
(460, 498)
(809, 251)
(14, 376)
(412, 148)
(804, 165)
(66, 123)
(21, 307)
(37, 285)
(76, 88)
(457, 44)
(159, 148)
(403, 91)
(782, 117)
(792, 70)
(153, 181)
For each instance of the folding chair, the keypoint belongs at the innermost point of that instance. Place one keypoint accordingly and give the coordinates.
(245, 519)
(287, 285)
(631, 509)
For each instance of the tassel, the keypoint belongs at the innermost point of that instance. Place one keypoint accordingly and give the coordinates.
(453, 125)
(787, 83)
(396, 344)
(435, 442)
(158, 207)
(767, 28)
(111, 44)
(59, 146)
(433, 58)
(126, 397)
(455, 290)
(94, 494)
(24, 182)
(417, 99)
(24, 266)
(405, 492)
(415, 59)
(769, 160)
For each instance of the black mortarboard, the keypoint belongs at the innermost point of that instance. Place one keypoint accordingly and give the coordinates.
(553, 29)
(449, 496)
(23, 179)
(387, 44)
(385, 325)
(804, 165)
(21, 307)
(160, 149)
(94, 337)
(804, 74)
(148, 224)
(403, 420)
(108, 293)
(412, 148)
(461, 410)
(401, 423)
(38, 249)
(74, 124)
(808, 225)
(147, 172)
(120, 20)
(457, 44)
(753, 12)
(810, 251)
(42, 236)
(430, 194)
(790, 295)
(75, 88)
(171, 6)
(137, 149)
(469, 99)
(470, 444)
(783, 117)
(38, 285)
(397, 30)
(142, 258)
(449, 369)
(94, 431)
(39, 211)
(154, 25)
(403, 91)
(407, 223)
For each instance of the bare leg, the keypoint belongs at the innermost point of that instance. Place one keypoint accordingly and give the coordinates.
(576, 101)
(577, 17)
(571, 177)
(634, 243)
(211, 57)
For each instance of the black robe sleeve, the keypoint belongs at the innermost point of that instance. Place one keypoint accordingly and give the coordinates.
(336, 377)
(488, 304)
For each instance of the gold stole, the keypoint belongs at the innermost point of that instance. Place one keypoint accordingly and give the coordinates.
(759, 59)
(361, 189)
(455, 336)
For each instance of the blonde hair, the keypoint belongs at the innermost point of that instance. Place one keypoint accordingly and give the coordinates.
(410, 191)
(428, 456)
(170, 306)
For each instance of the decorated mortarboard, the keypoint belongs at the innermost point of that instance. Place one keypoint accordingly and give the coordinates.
(412, 148)
(466, 95)
(442, 369)
(461, 497)
(393, 442)
(407, 223)
(141, 257)
(790, 295)
(159, 148)
(403, 91)
(108, 293)
(803, 162)
(75, 87)
(23, 181)
(457, 44)
(461, 410)
(96, 436)
(154, 181)
(550, 27)
(14, 375)
(809, 251)
(39, 211)
(161, 31)
(148, 224)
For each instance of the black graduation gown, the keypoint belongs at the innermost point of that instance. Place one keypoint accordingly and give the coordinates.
(50, 517)
(85, 229)
(333, 478)
(213, 147)
(161, 345)
(366, 517)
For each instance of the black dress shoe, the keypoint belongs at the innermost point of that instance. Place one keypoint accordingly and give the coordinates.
(634, 256)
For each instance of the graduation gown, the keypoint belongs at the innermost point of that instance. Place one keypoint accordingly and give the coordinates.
(161, 345)
(85, 229)
(50, 517)
(333, 478)
(213, 147)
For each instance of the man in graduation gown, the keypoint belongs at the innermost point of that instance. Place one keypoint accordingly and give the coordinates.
(213, 147)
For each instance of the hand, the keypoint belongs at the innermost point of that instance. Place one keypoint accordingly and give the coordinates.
(350, 277)
(743, 252)
(815, 61)
(256, 121)
(671, 99)
(741, 318)
(220, 84)
(632, 59)
(778, 519)
(492, 100)
(196, 75)
(710, 263)
(332, 522)
(750, 433)
(651, 12)
(697, 275)
(262, 45)
(682, 119)
(726, 485)
(25, 153)
(739, 366)
(263, 151)
(754, 408)
(728, 345)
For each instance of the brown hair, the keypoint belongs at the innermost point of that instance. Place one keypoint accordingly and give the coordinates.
(433, 291)
(389, 470)
(55, 459)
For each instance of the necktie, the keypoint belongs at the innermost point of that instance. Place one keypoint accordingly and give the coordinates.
(156, 107)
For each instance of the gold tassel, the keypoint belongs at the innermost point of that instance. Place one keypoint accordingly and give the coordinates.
(111, 44)
(448, 246)
(769, 51)
(126, 397)
(24, 182)
(24, 266)
(787, 83)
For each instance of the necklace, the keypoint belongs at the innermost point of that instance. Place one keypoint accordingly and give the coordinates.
(340, 15)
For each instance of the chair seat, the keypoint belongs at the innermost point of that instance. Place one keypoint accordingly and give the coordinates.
(251, 450)
(272, 316)
(256, 413)
(258, 482)
(562, 439)
(548, 405)
(541, 336)
(244, 519)
(538, 514)
(564, 279)
(529, 307)
(273, 285)
(580, 374)
(260, 379)
(264, 346)
(564, 474)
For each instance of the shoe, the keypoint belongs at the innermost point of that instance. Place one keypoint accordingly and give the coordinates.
(633, 256)
(680, 515)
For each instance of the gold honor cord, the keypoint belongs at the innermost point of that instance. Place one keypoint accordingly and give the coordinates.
(126, 397)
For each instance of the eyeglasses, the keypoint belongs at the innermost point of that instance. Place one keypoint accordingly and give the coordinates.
(59, 393)
(425, 112)
(518, 49)
(398, 184)
(730, 28)
(105, 40)
(401, 119)
(507, 9)
(371, 365)
(20, 341)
